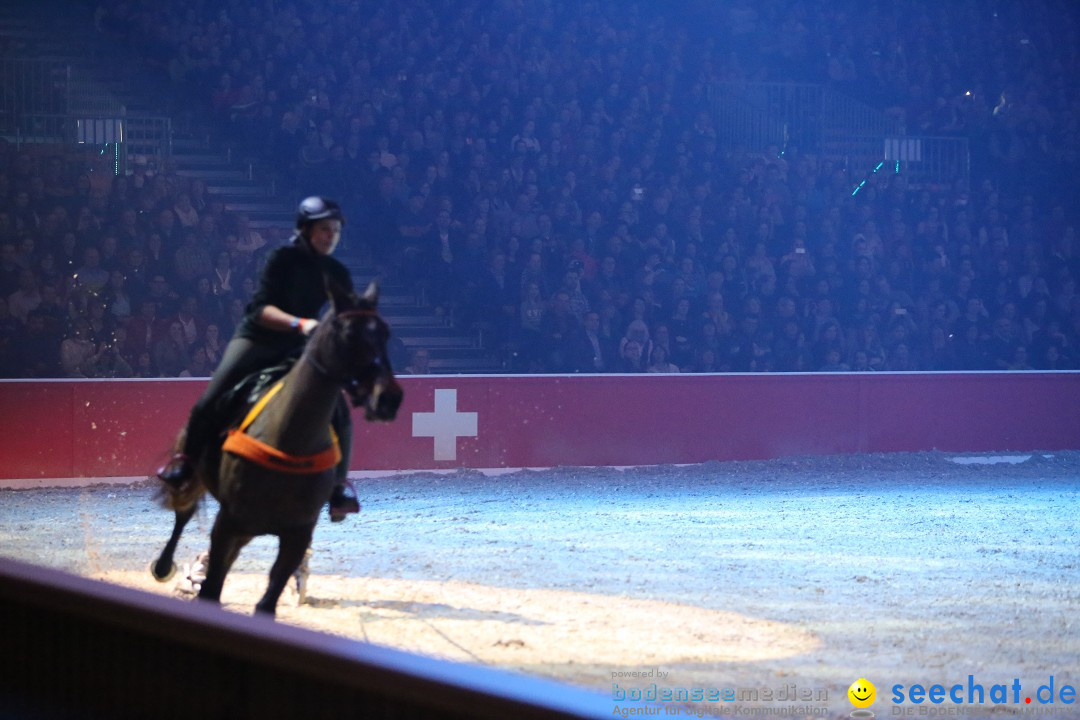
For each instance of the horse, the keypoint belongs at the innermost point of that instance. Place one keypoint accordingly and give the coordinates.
(283, 489)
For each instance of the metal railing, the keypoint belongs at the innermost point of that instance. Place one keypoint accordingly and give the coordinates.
(148, 136)
(52, 86)
(858, 154)
(924, 160)
(843, 116)
(740, 124)
(809, 115)
(50, 100)
(755, 115)
(132, 135)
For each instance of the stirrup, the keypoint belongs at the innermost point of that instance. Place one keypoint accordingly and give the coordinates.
(343, 501)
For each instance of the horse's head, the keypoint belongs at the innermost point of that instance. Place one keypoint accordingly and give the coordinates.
(350, 346)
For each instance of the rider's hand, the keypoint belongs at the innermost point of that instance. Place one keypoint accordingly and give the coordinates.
(307, 326)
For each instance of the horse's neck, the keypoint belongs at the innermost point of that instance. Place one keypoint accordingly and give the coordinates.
(297, 421)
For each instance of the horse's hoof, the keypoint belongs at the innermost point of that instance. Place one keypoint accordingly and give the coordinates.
(168, 575)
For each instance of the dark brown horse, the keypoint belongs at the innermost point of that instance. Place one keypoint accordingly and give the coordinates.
(347, 351)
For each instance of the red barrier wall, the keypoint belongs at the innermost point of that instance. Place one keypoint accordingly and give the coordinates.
(123, 428)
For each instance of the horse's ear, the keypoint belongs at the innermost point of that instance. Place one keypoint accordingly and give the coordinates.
(341, 297)
(371, 295)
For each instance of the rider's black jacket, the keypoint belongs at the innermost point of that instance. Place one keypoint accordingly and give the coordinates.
(294, 280)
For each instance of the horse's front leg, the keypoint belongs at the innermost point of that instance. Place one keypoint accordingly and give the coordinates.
(301, 575)
(226, 542)
(292, 545)
(164, 567)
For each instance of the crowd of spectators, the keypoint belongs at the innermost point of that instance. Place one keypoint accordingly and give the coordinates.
(105, 275)
(551, 174)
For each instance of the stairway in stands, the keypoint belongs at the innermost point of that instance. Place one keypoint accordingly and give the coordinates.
(239, 187)
(59, 29)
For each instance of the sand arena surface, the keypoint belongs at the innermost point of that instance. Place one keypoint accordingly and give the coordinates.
(813, 572)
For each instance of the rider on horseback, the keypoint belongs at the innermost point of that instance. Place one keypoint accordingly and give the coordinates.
(280, 317)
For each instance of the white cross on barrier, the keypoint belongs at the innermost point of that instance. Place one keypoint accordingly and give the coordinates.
(446, 424)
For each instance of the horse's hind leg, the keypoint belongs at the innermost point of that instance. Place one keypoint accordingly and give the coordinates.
(291, 548)
(164, 567)
(225, 546)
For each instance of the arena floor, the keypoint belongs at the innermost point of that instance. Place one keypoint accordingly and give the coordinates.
(789, 576)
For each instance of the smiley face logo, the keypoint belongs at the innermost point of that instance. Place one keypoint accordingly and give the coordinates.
(862, 693)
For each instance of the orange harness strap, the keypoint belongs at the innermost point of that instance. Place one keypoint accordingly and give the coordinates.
(240, 443)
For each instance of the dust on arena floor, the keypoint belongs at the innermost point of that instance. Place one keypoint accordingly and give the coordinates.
(805, 573)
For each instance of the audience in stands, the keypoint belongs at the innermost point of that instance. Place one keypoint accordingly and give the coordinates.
(554, 177)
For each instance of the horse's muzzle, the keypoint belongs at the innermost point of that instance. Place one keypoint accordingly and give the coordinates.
(383, 402)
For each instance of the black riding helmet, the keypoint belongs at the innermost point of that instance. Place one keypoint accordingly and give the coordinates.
(317, 208)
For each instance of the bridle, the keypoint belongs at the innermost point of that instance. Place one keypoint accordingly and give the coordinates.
(351, 383)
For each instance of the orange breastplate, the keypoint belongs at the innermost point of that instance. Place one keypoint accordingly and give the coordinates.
(243, 445)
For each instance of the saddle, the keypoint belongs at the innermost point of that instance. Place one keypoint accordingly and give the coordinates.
(242, 403)
(238, 400)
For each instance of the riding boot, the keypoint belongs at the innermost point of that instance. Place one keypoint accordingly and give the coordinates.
(343, 500)
(178, 470)
(181, 466)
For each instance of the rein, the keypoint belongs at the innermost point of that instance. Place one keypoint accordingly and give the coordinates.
(243, 445)
(240, 443)
(322, 370)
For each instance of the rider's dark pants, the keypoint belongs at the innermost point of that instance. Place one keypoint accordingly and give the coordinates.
(341, 420)
(241, 358)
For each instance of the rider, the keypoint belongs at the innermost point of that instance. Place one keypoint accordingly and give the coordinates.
(280, 317)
